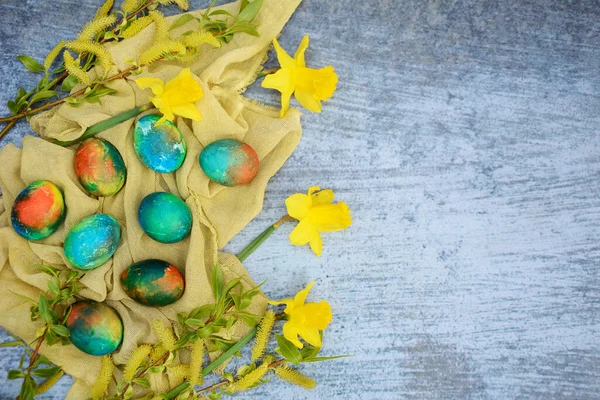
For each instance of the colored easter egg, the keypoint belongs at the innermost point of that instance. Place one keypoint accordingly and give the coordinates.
(95, 328)
(100, 167)
(165, 217)
(229, 162)
(93, 241)
(161, 148)
(38, 210)
(153, 282)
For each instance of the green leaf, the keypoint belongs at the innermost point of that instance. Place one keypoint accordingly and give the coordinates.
(15, 374)
(217, 282)
(226, 355)
(221, 12)
(29, 299)
(68, 83)
(44, 309)
(250, 11)
(142, 382)
(244, 28)
(42, 84)
(309, 352)
(184, 19)
(31, 64)
(74, 102)
(10, 344)
(156, 369)
(194, 323)
(319, 359)
(288, 351)
(61, 330)
(46, 94)
(250, 319)
(202, 312)
(12, 107)
(231, 285)
(53, 287)
(47, 372)
(20, 94)
(28, 389)
(128, 393)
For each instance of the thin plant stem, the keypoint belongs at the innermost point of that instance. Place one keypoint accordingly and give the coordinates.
(7, 128)
(255, 244)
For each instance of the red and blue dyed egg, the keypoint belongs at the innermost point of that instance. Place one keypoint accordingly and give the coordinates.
(38, 210)
(229, 162)
(100, 167)
(92, 241)
(95, 328)
(153, 283)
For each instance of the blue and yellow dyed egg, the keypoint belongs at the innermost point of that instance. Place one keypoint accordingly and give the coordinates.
(161, 148)
(93, 241)
(95, 328)
(38, 210)
(99, 167)
(229, 162)
(153, 283)
(165, 217)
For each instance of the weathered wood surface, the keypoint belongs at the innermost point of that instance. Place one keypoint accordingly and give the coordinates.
(465, 137)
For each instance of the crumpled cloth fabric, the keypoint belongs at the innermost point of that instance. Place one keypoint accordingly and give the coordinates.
(219, 213)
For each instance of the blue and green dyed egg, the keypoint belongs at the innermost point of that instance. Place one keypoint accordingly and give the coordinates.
(38, 210)
(161, 148)
(100, 167)
(165, 217)
(95, 328)
(229, 162)
(92, 242)
(153, 283)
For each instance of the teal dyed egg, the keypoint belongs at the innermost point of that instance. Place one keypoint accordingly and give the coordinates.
(38, 210)
(161, 148)
(165, 217)
(99, 167)
(153, 282)
(93, 241)
(95, 328)
(229, 162)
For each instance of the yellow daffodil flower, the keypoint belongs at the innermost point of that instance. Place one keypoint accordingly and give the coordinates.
(176, 97)
(316, 213)
(305, 319)
(310, 86)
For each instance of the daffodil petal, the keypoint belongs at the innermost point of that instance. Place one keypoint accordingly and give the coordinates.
(297, 206)
(285, 103)
(325, 196)
(299, 56)
(312, 190)
(156, 85)
(330, 217)
(285, 61)
(303, 233)
(325, 83)
(316, 244)
(280, 80)
(307, 100)
(289, 303)
(300, 297)
(162, 120)
(311, 335)
(187, 110)
(290, 332)
(317, 315)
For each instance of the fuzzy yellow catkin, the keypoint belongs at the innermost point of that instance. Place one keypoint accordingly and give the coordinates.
(92, 28)
(295, 377)
(53, 54)
(104, 378)
(165, 335)
(136, 27)
(73, 69)
(252, 378)
(182, 4)
(178, 373)
(263, 334)
(162, 28)
(48, 383)
(196, 39)
(130, 6)
(104, 9)
(157, 352)
(102, 55)
(196, 360)
(160, 50)
(136, 360)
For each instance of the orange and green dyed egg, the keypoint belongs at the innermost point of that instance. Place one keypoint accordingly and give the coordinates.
(229, 162)
(92, 242)
(95, 328)
(153, 282)
(100, 167)
(38, 210)
(165, 217)
(161, 148)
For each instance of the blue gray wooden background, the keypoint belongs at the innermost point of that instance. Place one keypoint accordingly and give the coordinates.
(465, 136)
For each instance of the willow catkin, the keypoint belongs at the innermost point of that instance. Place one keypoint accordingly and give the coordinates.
(196, 39)
(104, 9)
(74, 70)
(178, 373)
(104, 378)
(162, 28)
(136, 27)
(252, 378)
(53, 54)
(48, 383)
(135, 361)
(102, 55)
(160, 50)
(130, 6)
(295, 377)
(196, 361)
(182, 4)
(165, 335)
(157, 352)
(92, 28)
(263, 334)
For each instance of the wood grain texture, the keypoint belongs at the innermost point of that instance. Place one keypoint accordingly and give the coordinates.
(465, 137)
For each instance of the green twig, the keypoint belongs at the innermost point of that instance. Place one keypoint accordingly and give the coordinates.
(255, 244)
